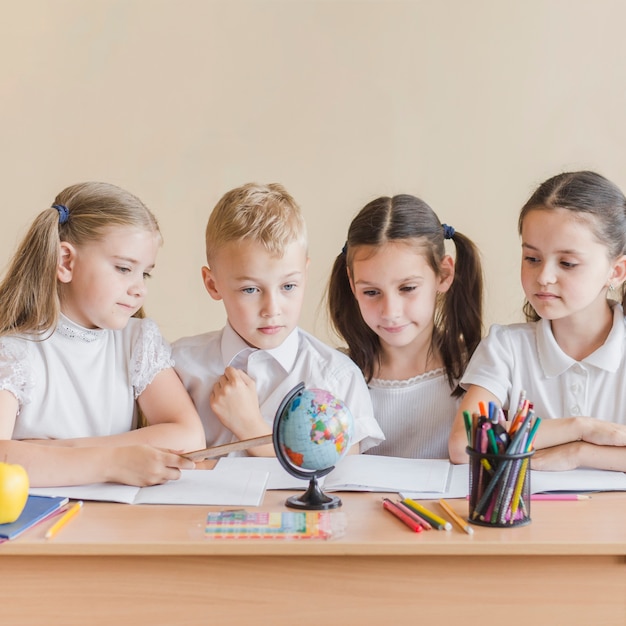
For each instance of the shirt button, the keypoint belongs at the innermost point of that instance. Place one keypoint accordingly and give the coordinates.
(575, 410)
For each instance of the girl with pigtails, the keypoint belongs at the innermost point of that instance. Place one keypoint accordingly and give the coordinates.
(411, 317)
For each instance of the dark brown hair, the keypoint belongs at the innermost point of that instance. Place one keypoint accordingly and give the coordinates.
(458, 317)
(592, 196)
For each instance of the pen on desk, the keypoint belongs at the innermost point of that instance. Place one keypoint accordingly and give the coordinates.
(64, 519)
(432, 518)
(456, 518)
(402, 516)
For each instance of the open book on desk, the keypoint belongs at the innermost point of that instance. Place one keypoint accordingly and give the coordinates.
(574, 481)
(356, 472)
(239, 487)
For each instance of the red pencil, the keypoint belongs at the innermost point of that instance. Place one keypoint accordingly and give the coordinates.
(402, 516)
(413, 515)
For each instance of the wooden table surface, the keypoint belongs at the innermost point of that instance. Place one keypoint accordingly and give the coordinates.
(151, 564)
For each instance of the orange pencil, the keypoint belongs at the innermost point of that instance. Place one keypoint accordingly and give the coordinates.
(64, 519)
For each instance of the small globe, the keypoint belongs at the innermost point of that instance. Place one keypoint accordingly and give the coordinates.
(312, 432)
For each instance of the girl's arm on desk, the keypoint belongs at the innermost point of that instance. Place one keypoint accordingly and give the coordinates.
(60, 464)
(562, 443)
(580, 454)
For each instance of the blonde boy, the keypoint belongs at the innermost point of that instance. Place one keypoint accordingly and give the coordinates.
(256, 248)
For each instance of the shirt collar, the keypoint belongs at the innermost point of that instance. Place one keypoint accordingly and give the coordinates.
(607, 357)
(234, 346)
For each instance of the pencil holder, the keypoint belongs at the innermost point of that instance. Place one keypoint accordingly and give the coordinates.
(499, 489)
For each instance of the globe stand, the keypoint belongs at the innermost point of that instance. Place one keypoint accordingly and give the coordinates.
(313, 498)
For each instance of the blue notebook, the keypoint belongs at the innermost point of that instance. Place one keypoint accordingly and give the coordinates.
(37, 509)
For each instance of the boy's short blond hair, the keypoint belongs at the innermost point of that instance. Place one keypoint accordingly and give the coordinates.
(266, 214)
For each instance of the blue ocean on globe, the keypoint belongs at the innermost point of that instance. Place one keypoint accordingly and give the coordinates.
(315, 430)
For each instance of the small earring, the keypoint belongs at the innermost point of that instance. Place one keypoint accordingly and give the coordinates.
(611, 288)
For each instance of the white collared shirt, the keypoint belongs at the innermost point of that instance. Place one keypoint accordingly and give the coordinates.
(527, 357)
(200, 361)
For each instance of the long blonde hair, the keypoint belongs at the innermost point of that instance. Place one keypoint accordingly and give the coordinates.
(29, 291)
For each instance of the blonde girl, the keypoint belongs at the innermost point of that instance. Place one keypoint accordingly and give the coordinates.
(77, 361)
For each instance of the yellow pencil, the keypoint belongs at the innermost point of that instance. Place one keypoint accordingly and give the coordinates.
(456, 518)
(64, 519)
(444, 524)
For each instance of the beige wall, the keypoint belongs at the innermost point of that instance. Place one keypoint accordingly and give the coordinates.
(467, 104)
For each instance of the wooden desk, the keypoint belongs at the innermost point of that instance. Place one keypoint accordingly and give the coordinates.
(124, 564)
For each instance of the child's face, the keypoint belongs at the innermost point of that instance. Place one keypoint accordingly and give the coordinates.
(396, 290)
(104, 282)
(565, 269)
(262, 293)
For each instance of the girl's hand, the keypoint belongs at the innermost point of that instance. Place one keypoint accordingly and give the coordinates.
(144, 465)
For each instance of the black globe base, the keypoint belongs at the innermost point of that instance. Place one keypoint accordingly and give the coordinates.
(313, 498)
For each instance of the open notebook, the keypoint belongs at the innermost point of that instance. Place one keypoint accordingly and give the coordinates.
(241, 481)
(240, 487)
(575, 481)
(356, 472)
(420, 478)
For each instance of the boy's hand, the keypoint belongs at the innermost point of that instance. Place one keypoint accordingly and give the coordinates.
(235, 402)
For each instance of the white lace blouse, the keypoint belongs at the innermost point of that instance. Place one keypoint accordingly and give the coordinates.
(79, 382)
(416, 415)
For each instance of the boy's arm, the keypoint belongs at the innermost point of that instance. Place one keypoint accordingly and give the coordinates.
(235, 402)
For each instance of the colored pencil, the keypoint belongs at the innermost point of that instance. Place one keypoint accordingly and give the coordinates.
(456, 518)
(431, 518)
(402, 516)
(64, 519)
(413, 515)
(559, 496)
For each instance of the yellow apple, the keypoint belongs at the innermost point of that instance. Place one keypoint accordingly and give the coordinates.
(13, 492)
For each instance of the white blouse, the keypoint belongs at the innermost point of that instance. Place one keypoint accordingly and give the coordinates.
(79, 382)
(416, 415)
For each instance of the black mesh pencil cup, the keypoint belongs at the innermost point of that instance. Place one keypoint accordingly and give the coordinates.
(499, 488)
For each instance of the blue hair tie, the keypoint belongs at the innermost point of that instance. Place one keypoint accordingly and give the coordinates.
(448, 231)
(344, 250)
(64, 212)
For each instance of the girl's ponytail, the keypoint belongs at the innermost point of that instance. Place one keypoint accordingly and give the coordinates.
(29, 302)
(460, 318)
(346, 320)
